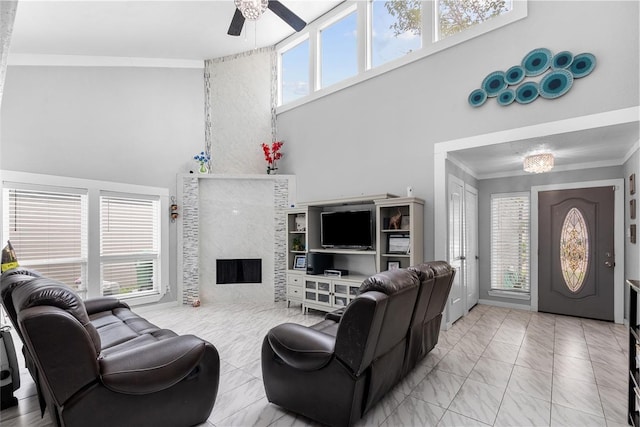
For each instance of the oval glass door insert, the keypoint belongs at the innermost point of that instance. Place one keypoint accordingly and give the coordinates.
(574, 250)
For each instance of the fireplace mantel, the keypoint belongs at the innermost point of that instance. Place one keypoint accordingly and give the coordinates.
(208, 224)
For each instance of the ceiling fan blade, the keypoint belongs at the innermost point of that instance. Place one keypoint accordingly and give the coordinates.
(286, 15)
(236, 24)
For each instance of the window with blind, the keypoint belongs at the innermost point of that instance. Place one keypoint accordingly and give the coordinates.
(510, 243)
(48, 230)
(98, 237)
(129, 244)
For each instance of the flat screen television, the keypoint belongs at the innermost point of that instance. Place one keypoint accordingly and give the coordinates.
(346, 230)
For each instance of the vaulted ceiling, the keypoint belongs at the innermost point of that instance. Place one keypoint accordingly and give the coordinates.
(197, 30)
(194, 30)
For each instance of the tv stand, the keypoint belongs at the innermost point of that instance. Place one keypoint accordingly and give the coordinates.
(394, 247)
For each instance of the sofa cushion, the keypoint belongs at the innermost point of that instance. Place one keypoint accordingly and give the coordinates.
(151, 367)
(10, 280)
(444, 275)
(301, 347)
(424, 271)
(96, 305)
(42, 291)
(389, 282)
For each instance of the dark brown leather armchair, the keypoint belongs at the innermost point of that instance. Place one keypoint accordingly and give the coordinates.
(98, 363)
(335, 371)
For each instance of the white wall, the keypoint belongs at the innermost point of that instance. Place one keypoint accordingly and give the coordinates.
(378, 136)
(241, 94)
(143, 125)
(631, 250)
(131, 125)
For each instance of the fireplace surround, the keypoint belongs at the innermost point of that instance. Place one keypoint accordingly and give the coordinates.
(232, 216)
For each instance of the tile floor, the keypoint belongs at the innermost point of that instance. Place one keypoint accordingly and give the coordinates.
(495, 366)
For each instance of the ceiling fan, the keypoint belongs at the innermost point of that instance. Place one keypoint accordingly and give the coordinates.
(253, 9)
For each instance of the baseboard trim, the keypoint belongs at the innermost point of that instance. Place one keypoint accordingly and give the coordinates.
(156, 306)
(504, 304)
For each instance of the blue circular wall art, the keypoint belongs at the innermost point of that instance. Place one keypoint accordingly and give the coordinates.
(506, 97)
(555, 84)
(527, 93)
(536, 62)
(562, 60)
(557, 74)
(477, 97)
(494, 83)
(514, 75)
(582, 65)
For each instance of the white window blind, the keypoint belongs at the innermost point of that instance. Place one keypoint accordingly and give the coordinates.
(129, 244)
(48, 230)
(510, 243)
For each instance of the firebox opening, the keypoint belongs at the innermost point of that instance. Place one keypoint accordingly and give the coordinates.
(238, 271)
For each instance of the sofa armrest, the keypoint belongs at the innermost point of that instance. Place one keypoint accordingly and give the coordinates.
(61, 349)
(301, 347)
(96, 305)
(152, 367)
(336, 315)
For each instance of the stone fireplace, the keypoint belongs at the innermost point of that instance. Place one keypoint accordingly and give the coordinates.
(226, 217)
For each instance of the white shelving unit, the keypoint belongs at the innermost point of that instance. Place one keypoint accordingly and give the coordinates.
(303, 236)
(410, 231)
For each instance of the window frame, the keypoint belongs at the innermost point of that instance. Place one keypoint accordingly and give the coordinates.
(369, 37)
(326, 24)
(81, 234)
(284, 49)
(154, 255)
(94, 189)
(430, 45)
(502, 291)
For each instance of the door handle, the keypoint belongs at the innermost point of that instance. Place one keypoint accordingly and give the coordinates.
(463, 258)
(610, 263)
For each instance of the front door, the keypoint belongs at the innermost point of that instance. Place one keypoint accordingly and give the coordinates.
(576, 259)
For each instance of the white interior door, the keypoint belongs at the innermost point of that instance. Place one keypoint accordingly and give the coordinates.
(456, 305)
(471, 259)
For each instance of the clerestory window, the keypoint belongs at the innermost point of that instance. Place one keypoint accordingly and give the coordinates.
(361, 39)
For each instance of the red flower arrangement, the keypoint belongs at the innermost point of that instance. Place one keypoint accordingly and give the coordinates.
(272, 155)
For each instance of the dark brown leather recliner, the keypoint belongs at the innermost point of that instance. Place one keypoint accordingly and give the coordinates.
(97, 363)
(443, 275)
(334, 379)
(335, 371)
(436, 278)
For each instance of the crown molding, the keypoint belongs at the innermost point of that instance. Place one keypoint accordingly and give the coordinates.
(20, 59)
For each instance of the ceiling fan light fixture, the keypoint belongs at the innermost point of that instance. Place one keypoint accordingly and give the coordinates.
(252, 9)
(538, 163)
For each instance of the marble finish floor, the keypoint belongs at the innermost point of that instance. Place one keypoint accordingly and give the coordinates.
(496, 366)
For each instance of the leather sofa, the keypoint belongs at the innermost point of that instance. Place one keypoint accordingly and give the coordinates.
(96, 363)
(337, 370)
